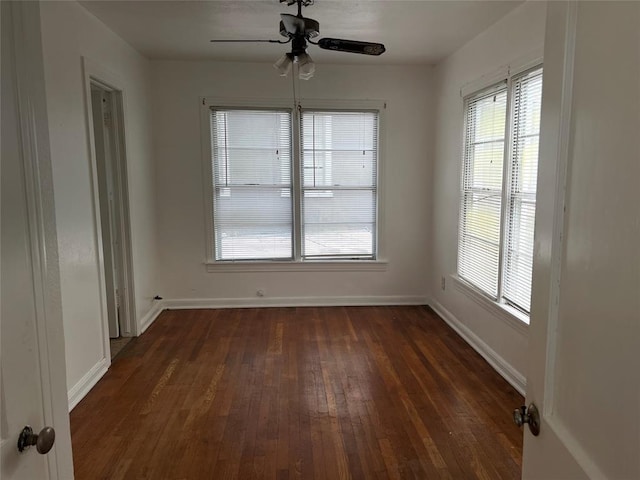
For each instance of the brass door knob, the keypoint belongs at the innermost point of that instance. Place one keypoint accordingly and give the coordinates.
(528, 415)
(43, 440)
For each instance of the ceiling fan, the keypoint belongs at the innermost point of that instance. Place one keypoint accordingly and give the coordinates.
(300, 31)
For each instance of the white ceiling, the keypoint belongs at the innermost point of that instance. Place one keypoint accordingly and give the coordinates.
(414, 32)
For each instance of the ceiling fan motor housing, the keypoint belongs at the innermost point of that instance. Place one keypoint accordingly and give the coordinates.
(307, 27)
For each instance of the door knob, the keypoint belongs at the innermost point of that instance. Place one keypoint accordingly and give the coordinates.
(43, 440)
(529, 415)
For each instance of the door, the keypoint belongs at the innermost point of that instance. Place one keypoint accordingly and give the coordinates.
(584, 332)
(32, 372)
(103, 137)
(105, 111)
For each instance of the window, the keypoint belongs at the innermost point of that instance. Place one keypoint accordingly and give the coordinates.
(251, 152)
(271, 201)
(339, 190)
(495, 248)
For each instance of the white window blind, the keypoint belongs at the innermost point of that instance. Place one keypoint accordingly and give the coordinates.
(251, 160)
(339, 184)
(484, 146)
(527, 99)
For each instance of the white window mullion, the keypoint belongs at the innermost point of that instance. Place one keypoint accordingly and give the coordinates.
(297, 188)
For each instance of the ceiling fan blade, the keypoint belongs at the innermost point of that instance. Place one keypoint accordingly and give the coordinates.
(352, 46)
(231, 41)
(292, 24)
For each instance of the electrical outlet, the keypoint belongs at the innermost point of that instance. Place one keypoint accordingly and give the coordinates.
(443, 282)
(260, 292)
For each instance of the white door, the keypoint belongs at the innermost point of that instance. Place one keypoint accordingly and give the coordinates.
(585, 319)
(32, 372)
(102, 134)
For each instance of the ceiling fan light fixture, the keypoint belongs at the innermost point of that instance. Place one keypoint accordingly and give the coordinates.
(306, 66)
(298, 31)
(283, 65)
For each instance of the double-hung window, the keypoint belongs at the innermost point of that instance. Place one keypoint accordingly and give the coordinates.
(293, 184)
(339, 184)
(498, 197)
(251, 154)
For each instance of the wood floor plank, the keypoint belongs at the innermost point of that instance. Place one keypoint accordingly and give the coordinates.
(298, 393)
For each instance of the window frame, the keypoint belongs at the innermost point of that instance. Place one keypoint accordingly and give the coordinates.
(514, 191)
(505, 76)
(325, 194)
(495, 88)
(297, 263)
(217, 241)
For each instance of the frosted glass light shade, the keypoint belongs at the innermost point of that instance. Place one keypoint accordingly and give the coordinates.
(283, 65)
(306, 67)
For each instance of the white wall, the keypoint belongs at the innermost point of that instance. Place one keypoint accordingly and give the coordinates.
(513, 37)
(181, 220)
(68, 33)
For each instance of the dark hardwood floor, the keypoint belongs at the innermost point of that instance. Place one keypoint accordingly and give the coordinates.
(306, 393)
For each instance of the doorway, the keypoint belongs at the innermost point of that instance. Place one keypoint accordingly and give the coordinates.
(112, 206)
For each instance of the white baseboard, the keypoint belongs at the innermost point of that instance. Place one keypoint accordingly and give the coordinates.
(86, 383)
(152, 314)
(257, 302)
(499, 364)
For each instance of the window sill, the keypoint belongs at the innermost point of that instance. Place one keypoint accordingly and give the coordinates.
(506, 313)
(299, 266)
